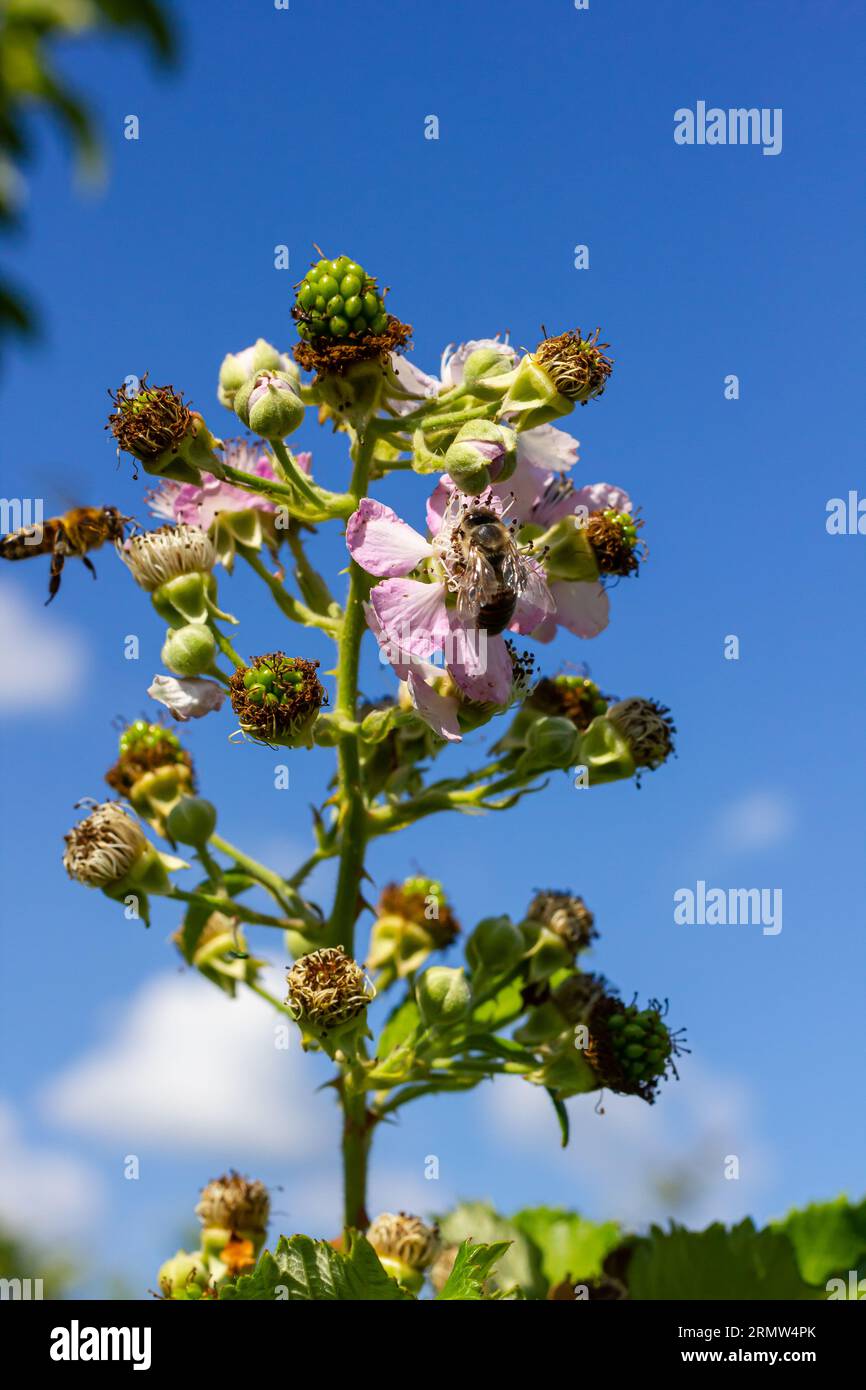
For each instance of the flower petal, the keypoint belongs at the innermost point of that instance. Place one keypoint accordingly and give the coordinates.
(598, 497)
(581, 606)
(381, 543)
(480, 664)
(412, 616)
(439, 711)
(187, 699)
(548, 448)
(411, 378)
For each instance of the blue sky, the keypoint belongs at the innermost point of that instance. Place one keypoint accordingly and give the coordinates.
(556, 129)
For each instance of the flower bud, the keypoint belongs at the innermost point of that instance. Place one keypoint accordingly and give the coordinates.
(495, 947)
(488, 371)
(328, 992)
(405, 1246)
(482, 452)
(189, 650)
(551, 742)
(155, 425)
(152, 771)
(238, 367)
(269, 405)
(184, 1276)
(443, 995)
(192, 821)
(277, 699)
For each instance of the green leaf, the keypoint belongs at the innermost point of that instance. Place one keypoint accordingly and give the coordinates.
(571, 1247)
(521, 1262)
(399, 1025)
(561, 1115)
(305, 1270)
(717, 1263)
(507, 1004)
(828, 1238)
(474, 1265)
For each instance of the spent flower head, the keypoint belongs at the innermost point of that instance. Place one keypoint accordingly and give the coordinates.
(156, 557)
(234, 1203)
(104, 847)
(400, 1236)
(577, 366)
(327, 989)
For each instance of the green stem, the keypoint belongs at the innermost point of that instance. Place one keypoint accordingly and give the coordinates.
(358, 1124)
(226, 648)
(282, 892)
(292, 607)
(320, 503)
(230, 907)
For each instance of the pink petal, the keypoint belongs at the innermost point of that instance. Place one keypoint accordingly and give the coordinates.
(581, 606)
(187, 699)
(381, 543)
(547, 448)
(437, 504)
(598, 497)
(480, 664)
(439, 711)
(412, 615)
(411, 378)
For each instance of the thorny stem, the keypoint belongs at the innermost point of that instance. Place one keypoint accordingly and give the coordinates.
(352, 842)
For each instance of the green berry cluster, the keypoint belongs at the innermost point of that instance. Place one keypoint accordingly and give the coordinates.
(338, 299)
(141, 736)
(421, 887)
(625, 522)
(573, 697)
(271, 684)
(641, 1043)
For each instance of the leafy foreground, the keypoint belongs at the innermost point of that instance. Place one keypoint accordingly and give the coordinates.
(815, 1253)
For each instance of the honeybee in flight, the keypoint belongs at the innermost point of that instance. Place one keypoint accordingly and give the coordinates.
(493, 574)
(74, 534)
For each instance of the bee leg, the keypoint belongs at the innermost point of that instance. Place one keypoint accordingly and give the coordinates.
(57, 559)
(90, 565)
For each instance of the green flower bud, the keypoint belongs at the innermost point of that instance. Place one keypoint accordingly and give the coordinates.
(192, 821)
(189, 650)
(488, 372)
(184, 1276)
(546, 952)
(443, 995)
(482, 452)
(495, 946)
(551, 742)
(237, 368)
(268, 404)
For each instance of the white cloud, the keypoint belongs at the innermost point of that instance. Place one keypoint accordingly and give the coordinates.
(45, 1195)
(43, 659)
(641, 1163)
(757, 821)
(188, 1069)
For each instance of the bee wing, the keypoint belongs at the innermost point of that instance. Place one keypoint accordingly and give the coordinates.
(533, 588)
(478, 585)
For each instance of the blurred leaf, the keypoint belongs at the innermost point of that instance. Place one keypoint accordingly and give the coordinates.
(400, 1023)
(828, 1238)
(717, 1263)
(305, 1270)
(571, 1247)
(473, 1266)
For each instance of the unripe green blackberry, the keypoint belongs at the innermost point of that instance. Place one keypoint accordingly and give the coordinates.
(277, 698)
(338, 299)
(342, 320)
(575, 697)
(631, 1049)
